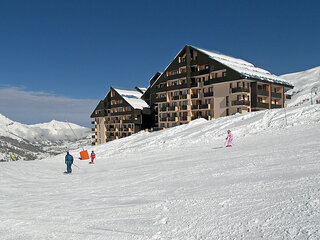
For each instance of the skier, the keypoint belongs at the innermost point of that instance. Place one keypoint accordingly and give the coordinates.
(93, 156)
(69, 162)
(230, 138)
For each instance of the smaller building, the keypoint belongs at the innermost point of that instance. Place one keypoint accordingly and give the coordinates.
(120, 114)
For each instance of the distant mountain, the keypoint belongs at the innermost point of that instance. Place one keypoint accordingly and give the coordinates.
(303, 83)
(39, 140)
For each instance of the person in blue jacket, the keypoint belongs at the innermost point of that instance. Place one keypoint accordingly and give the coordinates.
(69, 162)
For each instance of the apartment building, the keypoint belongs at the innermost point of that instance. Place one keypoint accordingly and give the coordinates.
(197, 84)
(120, 114)
(203, 84)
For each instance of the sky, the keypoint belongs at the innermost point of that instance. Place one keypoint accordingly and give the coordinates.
(58, 52)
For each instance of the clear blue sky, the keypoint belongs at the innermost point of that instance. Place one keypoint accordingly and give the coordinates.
(77, 48)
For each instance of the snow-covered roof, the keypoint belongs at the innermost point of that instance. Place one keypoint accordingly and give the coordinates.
(243, 67)
(133, 97)
(143, 89)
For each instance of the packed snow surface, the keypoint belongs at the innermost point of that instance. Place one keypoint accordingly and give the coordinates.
(180, 183)
(304, 82)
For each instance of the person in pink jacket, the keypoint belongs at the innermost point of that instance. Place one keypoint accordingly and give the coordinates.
(230, 138)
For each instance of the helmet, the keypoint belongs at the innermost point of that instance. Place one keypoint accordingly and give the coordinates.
(228, 131)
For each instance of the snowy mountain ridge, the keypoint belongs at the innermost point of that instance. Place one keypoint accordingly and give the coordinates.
(51, 131)
(39, 140)
(303, 83)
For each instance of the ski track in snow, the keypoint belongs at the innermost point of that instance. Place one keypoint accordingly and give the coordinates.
(177, 184)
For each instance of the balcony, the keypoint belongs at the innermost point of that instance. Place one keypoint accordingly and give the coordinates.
(184, 96)
(175, 98)
(208, 94)
(176, 76)
(203, 106)
(195, 117)
(176, 87)
(172, 108)
(171, 119)
(260, 105)
(121, 113)
(208, 82)
(132, 120)
(200, 72)
(241, 103)
(193, 61)
(116, 105)
(276, 106)
(240, 90)
(194, 85)
(161, 89)
(276, 95)
(262, 93)
(162, 99)
(183, 118)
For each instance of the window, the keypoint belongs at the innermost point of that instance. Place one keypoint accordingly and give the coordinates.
(227, 112)
(208, 101)
(206, 67)
(224, 74)
(227, 101)
(239, 110)
(230, 85)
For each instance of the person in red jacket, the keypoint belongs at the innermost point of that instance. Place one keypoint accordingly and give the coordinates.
(93, 156)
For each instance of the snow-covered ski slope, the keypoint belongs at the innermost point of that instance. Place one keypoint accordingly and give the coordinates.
(303, 83)
(177, 184)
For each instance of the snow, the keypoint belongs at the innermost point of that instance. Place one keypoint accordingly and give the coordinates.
(245, 68)
(143, 89)
(52, 131)
(179, 183)
(133, 97)
(303, 83)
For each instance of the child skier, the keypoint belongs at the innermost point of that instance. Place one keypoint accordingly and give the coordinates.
(69, 162)
(93, 156)
(230, 138)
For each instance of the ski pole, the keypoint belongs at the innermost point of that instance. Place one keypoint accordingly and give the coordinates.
(76, 165)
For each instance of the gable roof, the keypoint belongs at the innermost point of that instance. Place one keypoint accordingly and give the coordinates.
(100, 106)
(244, 68)
(133, 97)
